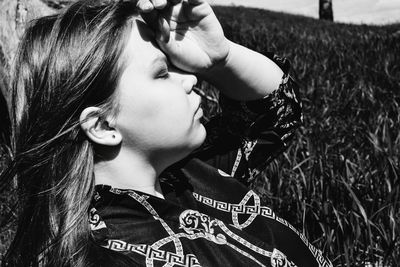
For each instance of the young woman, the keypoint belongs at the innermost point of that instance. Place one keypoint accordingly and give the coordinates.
(114, 166)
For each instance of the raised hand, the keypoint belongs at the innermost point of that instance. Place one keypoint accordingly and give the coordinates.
(149, 5)
(188, 32)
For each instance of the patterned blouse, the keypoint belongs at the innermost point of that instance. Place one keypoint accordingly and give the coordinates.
(209, 217)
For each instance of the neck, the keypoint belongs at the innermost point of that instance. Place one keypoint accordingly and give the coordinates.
(129, 170)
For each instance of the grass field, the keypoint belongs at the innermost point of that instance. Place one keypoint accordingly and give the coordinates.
(339, 179)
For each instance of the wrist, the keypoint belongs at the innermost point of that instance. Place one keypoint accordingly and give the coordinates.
(220, 65)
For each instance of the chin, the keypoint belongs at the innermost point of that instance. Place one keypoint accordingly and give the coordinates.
(191, 143)
(196, 140)
(201, 136)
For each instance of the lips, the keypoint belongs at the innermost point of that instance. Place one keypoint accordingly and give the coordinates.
(196, 91)
(198, 106)
(199, 111)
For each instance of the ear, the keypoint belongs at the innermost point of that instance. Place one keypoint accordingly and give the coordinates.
(97, 128)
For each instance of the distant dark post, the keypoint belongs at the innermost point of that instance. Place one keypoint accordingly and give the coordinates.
(325, 10)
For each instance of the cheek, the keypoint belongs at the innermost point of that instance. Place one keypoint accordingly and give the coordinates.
(155, 114)
(153, 105)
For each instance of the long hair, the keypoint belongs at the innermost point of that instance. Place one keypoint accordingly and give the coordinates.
(5, 128)
(65, 62)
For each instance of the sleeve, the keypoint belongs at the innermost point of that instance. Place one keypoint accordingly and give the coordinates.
(246, 136)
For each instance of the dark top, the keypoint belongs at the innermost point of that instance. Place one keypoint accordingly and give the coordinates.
(209, 217)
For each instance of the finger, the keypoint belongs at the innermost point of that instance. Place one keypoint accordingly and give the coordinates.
(174, 2)
(149, 5)
(159, 4)
(144, 5)
(163, 32)
(151, 19)
(196, 2)
(167, 47)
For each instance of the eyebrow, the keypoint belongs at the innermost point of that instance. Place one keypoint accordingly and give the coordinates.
(157, 59)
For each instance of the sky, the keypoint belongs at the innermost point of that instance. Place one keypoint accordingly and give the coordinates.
(349, 11)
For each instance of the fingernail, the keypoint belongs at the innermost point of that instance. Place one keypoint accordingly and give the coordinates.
(160, 36)
(159, 3)
(147, 6)
(161, 29)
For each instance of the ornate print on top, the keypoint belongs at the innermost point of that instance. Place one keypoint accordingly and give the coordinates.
(209, 217)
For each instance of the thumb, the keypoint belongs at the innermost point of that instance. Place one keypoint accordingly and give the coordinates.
(171, 49)
(166, 44)
(196, 2)
(163, 31)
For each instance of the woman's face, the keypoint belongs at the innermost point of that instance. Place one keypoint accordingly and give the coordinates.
(158, 110)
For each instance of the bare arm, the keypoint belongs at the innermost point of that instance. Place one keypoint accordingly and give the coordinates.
(191, 35)
(245, 74)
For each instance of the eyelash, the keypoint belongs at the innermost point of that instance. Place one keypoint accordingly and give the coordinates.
(164, 75)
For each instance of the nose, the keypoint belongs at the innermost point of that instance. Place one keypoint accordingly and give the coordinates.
(187, 80)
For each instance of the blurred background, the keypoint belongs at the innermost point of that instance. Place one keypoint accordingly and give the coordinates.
(338, 182)
(349, 11)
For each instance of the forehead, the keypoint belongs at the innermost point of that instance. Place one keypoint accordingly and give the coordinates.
(141, 48)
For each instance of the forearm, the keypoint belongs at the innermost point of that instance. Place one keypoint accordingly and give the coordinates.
(245, 75)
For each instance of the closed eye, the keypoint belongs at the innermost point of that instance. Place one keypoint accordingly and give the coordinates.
(164, 73)
(161, 65)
